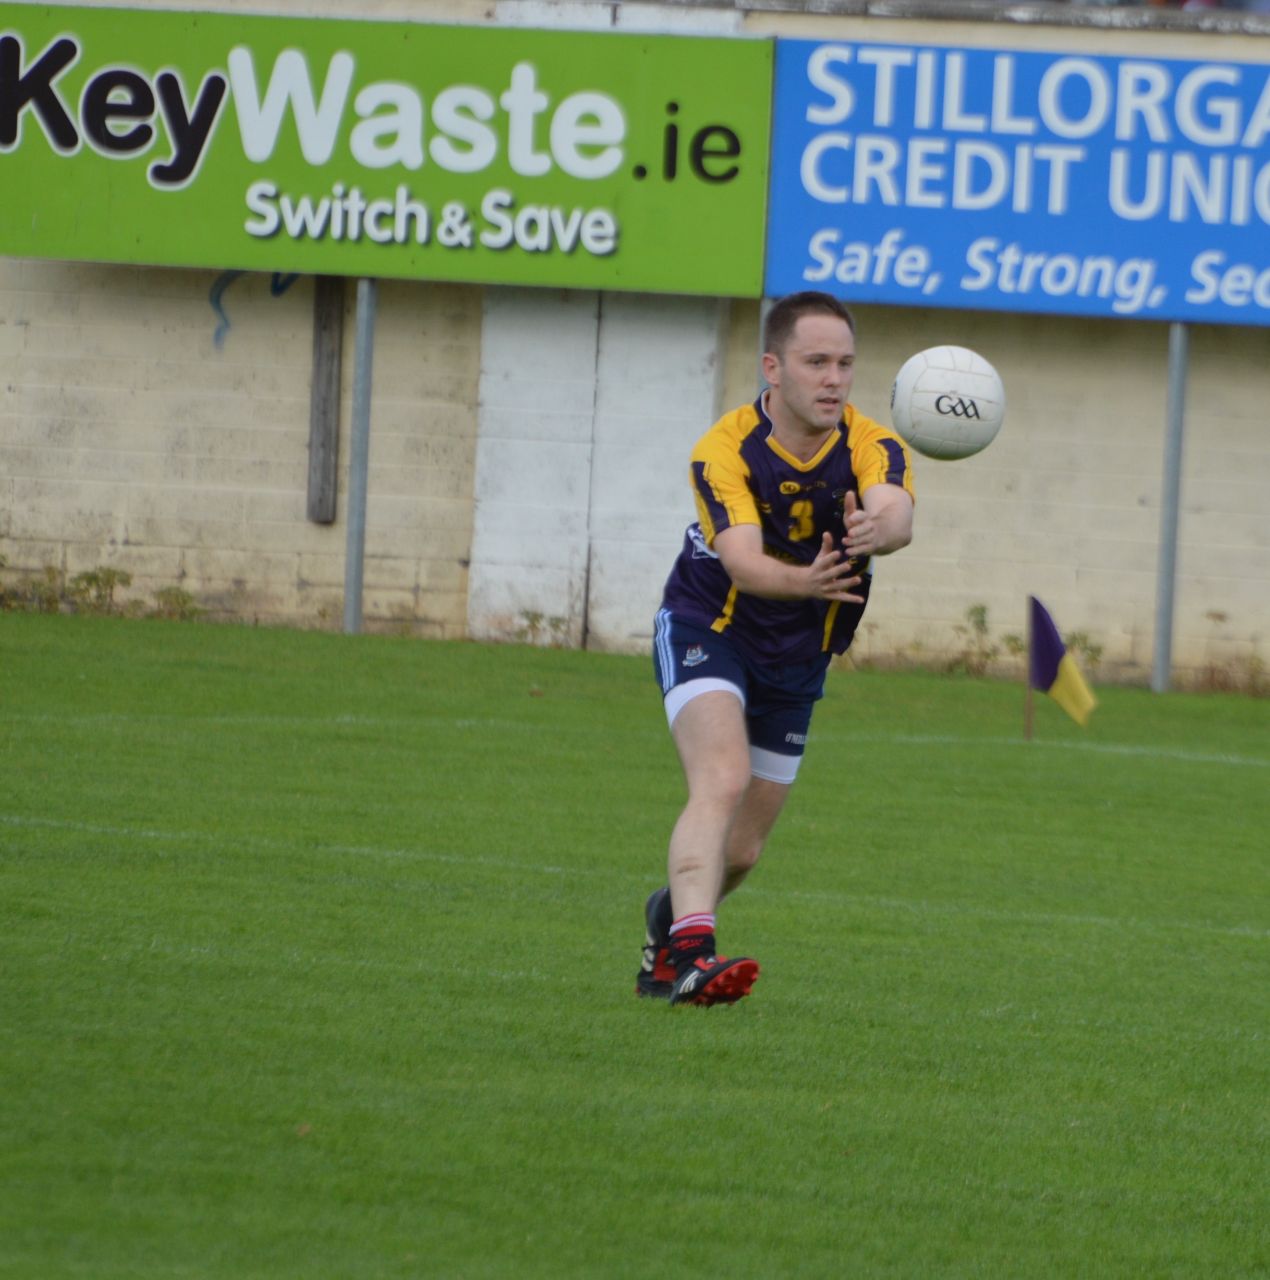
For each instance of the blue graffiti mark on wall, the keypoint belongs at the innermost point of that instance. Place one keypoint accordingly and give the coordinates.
(279, 283)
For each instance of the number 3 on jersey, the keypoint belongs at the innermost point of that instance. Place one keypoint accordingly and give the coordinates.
(801, 527)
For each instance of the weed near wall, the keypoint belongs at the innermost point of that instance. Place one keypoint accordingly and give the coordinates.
(93, 594)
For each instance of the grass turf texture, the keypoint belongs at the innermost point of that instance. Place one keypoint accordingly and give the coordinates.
(318, 954)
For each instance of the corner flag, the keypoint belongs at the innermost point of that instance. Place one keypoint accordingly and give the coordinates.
(1052, 670)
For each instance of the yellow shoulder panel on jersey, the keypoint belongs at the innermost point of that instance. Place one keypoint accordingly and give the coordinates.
(878, 455)
(719, 473)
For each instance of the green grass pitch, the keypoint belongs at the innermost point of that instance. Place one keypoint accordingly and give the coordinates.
(317, 957)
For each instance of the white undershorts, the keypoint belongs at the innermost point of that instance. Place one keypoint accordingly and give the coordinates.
(771, 766)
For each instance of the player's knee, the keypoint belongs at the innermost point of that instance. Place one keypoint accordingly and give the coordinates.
(722, 799)
(721, 782)
(730, 787)
(741, 861)
(743, 854)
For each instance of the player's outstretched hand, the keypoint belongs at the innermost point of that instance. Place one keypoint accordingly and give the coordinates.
(861, 530)
(832, 575)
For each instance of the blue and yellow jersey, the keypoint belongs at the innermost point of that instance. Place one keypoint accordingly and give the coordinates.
(741, 475)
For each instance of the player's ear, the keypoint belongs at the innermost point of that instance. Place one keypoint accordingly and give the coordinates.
(771, 363)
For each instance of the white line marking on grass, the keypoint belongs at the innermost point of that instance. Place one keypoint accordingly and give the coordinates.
(921, 907)
(1105, 748)
(914, 906)
(274, 722)
(286, 846)
(469, 724)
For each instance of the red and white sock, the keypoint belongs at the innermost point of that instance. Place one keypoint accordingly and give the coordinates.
(691, 936)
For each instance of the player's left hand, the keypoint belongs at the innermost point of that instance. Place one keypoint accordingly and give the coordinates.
(861, 538)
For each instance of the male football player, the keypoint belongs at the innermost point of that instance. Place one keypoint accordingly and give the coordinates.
(795, 494)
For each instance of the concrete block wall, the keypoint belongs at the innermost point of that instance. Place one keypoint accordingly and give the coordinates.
(528, 462)
(143, 430)
(422, 457)
(130, 441)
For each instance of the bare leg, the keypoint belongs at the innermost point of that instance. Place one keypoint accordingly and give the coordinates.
(759, 809)
(710, 735)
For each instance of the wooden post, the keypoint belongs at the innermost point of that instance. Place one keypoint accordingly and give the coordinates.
(324, 398)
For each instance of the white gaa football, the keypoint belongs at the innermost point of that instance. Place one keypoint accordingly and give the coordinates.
(947, 402)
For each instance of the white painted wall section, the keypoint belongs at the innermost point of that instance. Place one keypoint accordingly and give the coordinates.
(660, 363)
(588, 414)
(533, 464)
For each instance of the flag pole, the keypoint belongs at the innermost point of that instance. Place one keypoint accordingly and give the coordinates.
(1027, 679)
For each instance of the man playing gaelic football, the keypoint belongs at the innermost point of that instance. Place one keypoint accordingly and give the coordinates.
(795, 493)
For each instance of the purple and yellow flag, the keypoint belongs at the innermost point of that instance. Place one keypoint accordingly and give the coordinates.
(1053, 670)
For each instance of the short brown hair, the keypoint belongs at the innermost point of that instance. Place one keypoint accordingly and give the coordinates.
(786, 313)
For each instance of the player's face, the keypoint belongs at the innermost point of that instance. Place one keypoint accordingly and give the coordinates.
(812, 378)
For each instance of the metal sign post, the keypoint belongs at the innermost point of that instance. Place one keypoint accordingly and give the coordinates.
(359, 455)
(1170, 498)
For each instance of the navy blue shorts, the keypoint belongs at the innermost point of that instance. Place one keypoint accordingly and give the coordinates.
(689, 659)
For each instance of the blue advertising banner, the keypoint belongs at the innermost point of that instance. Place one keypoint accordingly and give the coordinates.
(990, 179)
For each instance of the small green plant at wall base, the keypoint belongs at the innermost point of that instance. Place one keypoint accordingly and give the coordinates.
(1088, 653)
(532, 629)
(1224, 672)
(44, 594)
(41, 594)
(977, 648)
(540, 629)
(1257, 682)
(1014, 645)
(176, 605)
(93, 591)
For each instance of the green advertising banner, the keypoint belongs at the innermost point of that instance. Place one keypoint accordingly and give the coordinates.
(607, 160)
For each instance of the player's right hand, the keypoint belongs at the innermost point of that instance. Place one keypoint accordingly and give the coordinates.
(831, 575)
